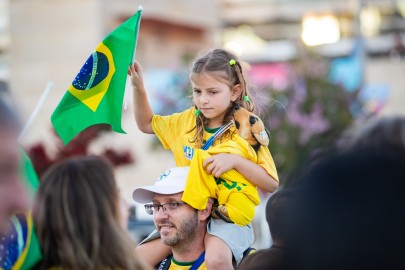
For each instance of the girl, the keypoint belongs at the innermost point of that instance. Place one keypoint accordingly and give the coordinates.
(218, 87)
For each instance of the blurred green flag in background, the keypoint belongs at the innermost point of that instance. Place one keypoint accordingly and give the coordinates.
(20, 246)
(31, 253)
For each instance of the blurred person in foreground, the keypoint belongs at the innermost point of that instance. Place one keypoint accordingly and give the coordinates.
(273, 257)
(13, 193)
(78, 216)
(384, 136)
(349, 212)
(181, 227)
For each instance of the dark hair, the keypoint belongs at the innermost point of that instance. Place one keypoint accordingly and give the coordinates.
(383, 135)
(276, 213)
(77, 218)
(218, 61)
(349, 214)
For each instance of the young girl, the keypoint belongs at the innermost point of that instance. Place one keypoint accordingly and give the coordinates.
(218, 86)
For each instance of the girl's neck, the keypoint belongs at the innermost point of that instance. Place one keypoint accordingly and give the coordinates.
(213, 125)
(211, 130)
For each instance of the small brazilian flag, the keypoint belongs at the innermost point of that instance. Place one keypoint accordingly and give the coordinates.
(19, 246)
(96, 94)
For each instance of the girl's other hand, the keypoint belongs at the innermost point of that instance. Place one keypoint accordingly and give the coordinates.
(220, 163)
(135, 71)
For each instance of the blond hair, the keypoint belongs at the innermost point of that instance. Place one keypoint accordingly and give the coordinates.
(221, 62)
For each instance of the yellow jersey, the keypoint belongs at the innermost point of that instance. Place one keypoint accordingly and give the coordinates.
(173, 132)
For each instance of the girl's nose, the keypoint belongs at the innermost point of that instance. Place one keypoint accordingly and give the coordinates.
(203, 99)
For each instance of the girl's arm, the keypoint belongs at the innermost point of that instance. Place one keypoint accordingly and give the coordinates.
(256, 174)
(142, 110)
(153, 252)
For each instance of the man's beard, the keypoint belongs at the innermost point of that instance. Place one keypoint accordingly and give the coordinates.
(184, 232)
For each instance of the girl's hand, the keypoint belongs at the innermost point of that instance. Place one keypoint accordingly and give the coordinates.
(220, 163)
(135, 71)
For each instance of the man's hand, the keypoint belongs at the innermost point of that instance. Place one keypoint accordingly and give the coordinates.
(220, 163)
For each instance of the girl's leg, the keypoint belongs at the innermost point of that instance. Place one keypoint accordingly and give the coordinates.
(217, 253)
(153, 252)
(241, 209)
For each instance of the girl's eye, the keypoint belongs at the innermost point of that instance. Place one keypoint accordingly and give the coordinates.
(213, 92)
(196, 91)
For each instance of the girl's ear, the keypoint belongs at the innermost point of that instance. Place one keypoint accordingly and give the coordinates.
(236, 92)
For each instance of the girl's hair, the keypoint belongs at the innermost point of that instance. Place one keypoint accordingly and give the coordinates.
(218, 61)
(77, 218)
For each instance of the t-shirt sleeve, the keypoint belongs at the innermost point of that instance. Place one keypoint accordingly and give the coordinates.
(165, 128)
(265, 160)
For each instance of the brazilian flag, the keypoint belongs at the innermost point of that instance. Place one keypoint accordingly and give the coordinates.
(96, 94)
(20, 246)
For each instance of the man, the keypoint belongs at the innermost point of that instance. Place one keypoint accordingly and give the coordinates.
(181, 227)
(13, 194)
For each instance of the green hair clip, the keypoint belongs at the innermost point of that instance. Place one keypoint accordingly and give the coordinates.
(197, 112)
(232, 62)
(246, 98)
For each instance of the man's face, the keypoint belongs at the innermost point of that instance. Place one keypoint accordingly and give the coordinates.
(178, 225)
(13, 194)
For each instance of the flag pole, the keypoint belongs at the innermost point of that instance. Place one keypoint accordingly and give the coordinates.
(36, 110)
(140, 8)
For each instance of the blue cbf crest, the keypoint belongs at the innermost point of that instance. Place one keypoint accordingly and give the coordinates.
(163, 175)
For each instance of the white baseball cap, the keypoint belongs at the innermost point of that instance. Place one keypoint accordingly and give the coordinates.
(170, 182)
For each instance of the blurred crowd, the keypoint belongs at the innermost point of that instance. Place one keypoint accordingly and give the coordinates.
(346, 212)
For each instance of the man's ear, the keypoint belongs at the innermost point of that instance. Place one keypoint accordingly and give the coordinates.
(205, 214)
(236, 92)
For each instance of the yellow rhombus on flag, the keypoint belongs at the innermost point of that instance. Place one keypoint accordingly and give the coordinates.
(96, 94)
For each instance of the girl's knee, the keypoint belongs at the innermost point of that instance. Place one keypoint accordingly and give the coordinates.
(217, 253)
(218, 262)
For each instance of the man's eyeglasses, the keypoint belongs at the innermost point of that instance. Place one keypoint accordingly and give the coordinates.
(153, 208)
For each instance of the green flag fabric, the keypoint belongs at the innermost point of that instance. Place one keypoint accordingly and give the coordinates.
(96, 94)
(31, 253)
(20, 246)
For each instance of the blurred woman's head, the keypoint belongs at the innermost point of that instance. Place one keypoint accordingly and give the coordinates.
(13, 193)
(77, 214)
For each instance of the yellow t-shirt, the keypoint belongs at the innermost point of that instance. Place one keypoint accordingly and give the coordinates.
(172, 131)
(232, 189)
(185, 266)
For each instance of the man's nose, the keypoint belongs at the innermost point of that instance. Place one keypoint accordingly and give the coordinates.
(160, 215)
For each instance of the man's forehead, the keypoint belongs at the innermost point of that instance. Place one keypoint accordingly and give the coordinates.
(170, 197)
